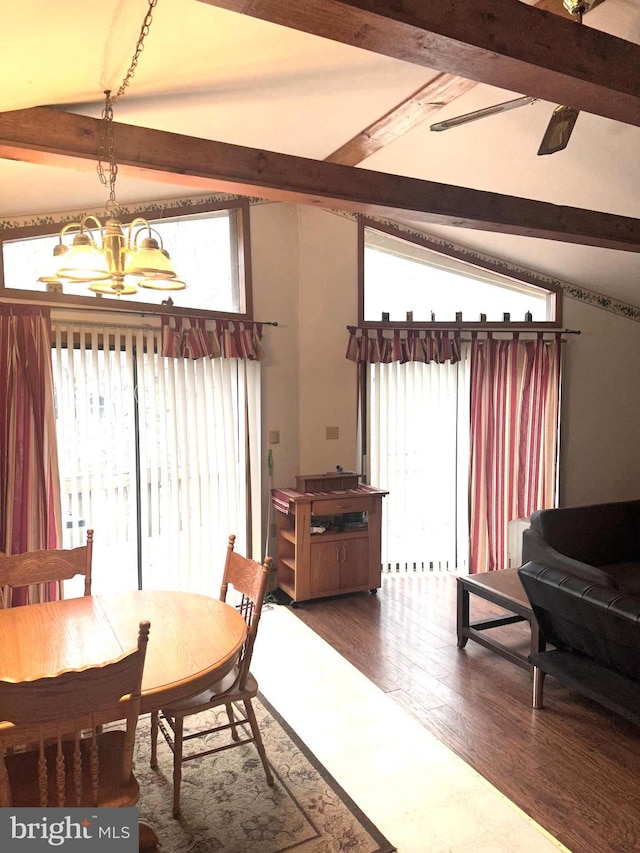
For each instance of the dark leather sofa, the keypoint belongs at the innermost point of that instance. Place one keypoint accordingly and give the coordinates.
(599, 543)
(594, 632)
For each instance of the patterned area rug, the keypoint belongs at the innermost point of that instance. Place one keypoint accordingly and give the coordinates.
(227, 806)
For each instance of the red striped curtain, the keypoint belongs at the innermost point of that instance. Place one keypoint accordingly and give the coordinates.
(515, 397)
(195, 337)
(382, 346)
(30, 512)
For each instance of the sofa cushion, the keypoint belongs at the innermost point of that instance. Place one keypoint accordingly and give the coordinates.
(598, 534)
(534, 548)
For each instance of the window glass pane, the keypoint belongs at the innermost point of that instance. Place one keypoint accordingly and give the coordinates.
(203, 251)
(401, 277)
(26, 260)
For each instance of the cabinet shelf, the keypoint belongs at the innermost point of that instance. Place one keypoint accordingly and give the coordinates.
(316, 565)
(287, 587)
(339, 535)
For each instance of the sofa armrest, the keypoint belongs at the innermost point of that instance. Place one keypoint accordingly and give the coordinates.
(580, 617)
(536, 549)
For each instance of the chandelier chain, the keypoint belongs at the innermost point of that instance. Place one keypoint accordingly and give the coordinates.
(106, 151)
(144, 31)
(103, 255)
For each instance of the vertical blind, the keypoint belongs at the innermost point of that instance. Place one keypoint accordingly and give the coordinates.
(155, 457)
(419, 450)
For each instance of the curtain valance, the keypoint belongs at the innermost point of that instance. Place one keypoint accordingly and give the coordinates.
(386, 345)
(196, 337)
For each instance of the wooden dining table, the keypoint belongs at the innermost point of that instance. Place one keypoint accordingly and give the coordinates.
(194, 639)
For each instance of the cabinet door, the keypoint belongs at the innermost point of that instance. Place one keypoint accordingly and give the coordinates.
(354, 564)
(325, 567)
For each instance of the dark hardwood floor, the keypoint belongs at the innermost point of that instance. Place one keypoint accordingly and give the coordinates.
(573, 767)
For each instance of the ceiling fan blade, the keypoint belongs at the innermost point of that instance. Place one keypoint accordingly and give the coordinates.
(486, 111)
(559, 130)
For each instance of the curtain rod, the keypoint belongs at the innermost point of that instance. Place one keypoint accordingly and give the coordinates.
(68, 321)
(452, 327)
(56, 302)
(127, 321)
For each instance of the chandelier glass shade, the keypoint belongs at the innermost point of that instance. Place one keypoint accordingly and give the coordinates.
(111, 260)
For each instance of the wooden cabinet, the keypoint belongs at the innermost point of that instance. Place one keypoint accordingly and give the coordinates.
(339, 563)
(345, 557)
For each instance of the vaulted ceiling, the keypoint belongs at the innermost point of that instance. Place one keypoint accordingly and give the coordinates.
(329, 102)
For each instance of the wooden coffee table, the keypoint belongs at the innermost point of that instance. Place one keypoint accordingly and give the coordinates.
(503, 588)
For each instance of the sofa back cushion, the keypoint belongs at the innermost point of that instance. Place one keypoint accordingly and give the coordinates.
(573, 614)
(535, 549)
(598, 534)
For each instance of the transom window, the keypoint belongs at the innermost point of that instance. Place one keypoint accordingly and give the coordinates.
(406, 279)
(208, 249)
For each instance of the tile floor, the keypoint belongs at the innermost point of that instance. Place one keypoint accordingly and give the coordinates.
(419, 794)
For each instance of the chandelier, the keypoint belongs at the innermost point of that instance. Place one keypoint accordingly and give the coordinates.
(110, 257)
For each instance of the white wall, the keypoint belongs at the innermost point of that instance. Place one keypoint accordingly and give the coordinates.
(599, 458)
(304, 276)
(275, 272)
(328, 303)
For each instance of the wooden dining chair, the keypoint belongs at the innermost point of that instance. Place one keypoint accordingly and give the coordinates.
(72, 765)
(236, 690)
(45, 566)
(71, 760)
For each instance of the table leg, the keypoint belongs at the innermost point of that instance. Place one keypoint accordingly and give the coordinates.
(463, 614)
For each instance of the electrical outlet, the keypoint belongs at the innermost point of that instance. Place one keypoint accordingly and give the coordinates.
(332, 432)
(274, 436)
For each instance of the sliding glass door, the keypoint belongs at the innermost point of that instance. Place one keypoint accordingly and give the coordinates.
(154, 456)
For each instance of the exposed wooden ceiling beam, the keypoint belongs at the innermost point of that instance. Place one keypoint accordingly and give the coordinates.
(504, 43)
(442, 90)
(48, 136)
